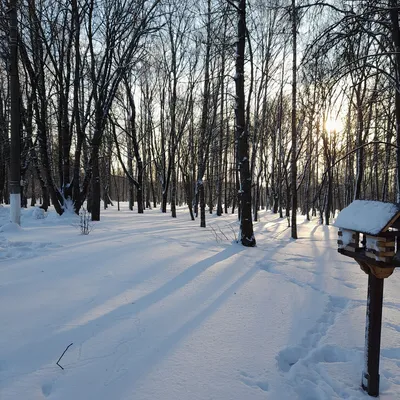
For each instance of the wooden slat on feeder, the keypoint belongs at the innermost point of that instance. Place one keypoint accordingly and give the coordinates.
(361, 256)
(382, 252)
(348, 240)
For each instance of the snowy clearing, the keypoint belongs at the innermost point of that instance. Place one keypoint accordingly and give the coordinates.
(158, 309)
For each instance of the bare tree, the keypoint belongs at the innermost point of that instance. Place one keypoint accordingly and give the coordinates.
(242, 135)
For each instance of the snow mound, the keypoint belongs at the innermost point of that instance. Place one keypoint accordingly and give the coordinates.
(38, 213)
(10, 227)
(10, 250)
(366, 216)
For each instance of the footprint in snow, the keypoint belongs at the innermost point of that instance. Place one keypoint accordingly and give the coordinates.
(323, 354)
(392, 353)
(254, 382)
(300, 259)
(330, 353)
(347, 284)
(393, 326)
(289, 356)
(308, 270)
(47, 389)
(350, 285)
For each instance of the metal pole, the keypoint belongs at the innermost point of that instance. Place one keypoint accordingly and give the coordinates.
(370, 380)
(15, 154)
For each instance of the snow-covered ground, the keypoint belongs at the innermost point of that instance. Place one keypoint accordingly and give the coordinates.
(159, 309)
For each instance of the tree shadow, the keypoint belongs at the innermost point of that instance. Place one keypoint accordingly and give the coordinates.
(47, 349)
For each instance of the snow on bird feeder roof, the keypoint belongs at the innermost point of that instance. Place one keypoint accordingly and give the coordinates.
(367, 216)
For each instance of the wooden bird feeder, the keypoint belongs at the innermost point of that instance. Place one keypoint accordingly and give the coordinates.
(369, 233)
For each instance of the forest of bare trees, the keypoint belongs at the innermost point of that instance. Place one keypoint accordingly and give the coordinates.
(223, 105)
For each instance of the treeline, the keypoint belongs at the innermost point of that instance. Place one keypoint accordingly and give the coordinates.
(145, 93)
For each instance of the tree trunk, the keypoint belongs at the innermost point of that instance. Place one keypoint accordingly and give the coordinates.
(220, 171)
(173, 192)
(293, 163)
(202, 156)
(15, 167)
(360, 151)
(246, 224)
(130, 170)
(394, 17)
(139, 188)
(95, 186)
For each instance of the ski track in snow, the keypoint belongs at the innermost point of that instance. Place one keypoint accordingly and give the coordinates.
(160, 309)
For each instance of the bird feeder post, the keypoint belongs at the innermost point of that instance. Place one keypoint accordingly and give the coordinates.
(373, 327)
(369, 233)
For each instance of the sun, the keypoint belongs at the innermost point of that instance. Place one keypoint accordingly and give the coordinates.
(333, 125)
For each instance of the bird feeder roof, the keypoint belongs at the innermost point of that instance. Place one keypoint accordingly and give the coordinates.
(370, 217)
